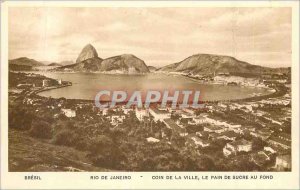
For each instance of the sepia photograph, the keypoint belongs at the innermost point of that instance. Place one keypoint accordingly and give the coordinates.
(105, 89)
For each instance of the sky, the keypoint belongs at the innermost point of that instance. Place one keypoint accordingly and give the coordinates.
(159, 36)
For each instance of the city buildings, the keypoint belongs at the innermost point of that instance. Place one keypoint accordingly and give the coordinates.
(237, 146)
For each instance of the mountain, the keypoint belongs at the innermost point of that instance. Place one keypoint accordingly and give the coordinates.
(89, 65)
(26, 61)
(208, 64)
(152, 68)
(55, 64)
(14, 67)
(66, 63)
(118, 64)
(88, 61)
(124, 63)
(46, 62)
(87, 52)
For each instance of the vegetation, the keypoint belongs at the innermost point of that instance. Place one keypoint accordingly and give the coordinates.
(41, 129)
(19, 117)
(125, 147)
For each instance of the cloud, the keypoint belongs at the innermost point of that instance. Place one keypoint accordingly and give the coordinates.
(159, 36)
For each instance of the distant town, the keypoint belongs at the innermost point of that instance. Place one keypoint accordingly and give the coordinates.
(250, 134)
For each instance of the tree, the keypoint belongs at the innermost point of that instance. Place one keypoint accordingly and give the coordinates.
(258, 144)
(241, 163)
(65, 137)
(175, 116)
(19, 117)
(41, 129)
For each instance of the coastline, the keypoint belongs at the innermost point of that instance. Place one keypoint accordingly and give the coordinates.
(279, 91)
(52, 88)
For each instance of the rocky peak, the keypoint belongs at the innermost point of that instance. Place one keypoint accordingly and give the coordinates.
(128, 56)
(87, 52)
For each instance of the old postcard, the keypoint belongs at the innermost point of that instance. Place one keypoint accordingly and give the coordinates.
(150, 95)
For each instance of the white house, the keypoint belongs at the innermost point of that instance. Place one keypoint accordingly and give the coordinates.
(69, 112)
(199, 119)
(141, 113)
(117, 119)
(283, 162)
(46, 83)
(269, 149)
(175, 128)
(187, 115)
(159, 115)
(152, 140)
(228, 135)
(237, 146)
(104, 111)
(214, 128)
(198, 142)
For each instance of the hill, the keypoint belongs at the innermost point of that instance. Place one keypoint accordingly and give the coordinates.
(124, 63)
(25, 61)
(152, 68)
(88, 61)
(14, 67)
(208, 64)
(89, 65)
(55, 64)
(66, 63)
(86, 53)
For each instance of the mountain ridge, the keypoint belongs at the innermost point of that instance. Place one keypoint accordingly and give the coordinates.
(86, 53)
(129, 63)
(152, 68)
(55, 64)
(89, 61)
(211, 63)
(25, 61)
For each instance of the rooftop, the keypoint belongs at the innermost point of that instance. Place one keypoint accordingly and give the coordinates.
(171, 123)
(241, 142)
(281, 141)
(151, 139)
(214, 127)
(198, 140)
(157, 111)
(264, 131)
(200, 117)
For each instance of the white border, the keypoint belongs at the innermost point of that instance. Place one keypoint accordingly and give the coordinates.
(65, 180)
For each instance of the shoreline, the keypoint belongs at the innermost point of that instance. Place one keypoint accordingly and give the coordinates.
(90, 72)
(50, 88)
(279, 91)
